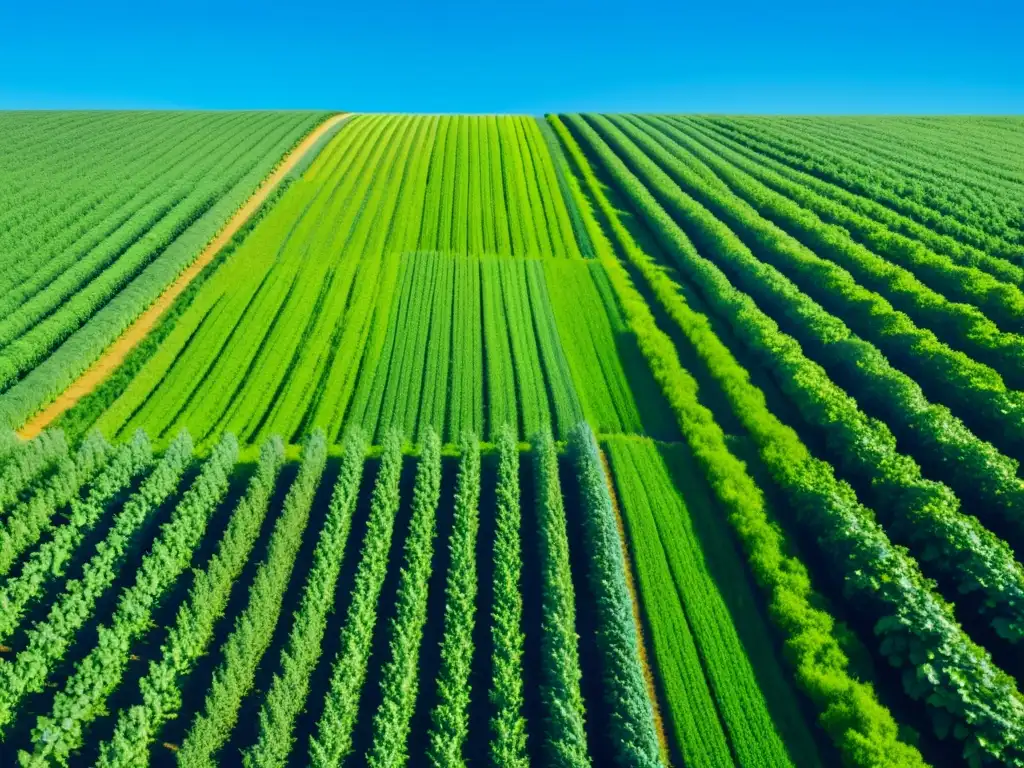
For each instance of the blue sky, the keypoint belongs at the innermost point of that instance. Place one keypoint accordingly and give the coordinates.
(533, 57)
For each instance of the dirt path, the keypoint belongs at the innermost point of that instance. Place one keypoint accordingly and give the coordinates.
(115, 354)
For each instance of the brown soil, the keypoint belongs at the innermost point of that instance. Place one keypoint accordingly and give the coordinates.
(115, 354)
(659, 723)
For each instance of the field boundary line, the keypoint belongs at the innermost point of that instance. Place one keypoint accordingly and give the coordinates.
(115, 354)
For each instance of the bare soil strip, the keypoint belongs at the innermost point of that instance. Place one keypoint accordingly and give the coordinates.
(115, 354)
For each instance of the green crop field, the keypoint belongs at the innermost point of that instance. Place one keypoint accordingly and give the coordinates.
(577, 440)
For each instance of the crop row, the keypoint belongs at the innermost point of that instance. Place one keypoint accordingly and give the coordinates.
(43, 362)
(863, 729)
(142, 568)
(880, 579)
(385, 332)
(96, 676)
(924, 514)
(869, 169)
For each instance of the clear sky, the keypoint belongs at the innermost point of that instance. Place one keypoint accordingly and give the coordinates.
(533, 56)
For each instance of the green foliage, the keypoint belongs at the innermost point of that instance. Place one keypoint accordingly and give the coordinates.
(696, 729)
(27, 522)
(51, 560)
(138, 726)
(795, 302)
(247, 644)
(964, 327)
(48, 642)
(466, 393)
(588, 340)
(625, 690)
(920, 513)
(989, 283)
(912, 622)
(28, 461)
(450, 716)
(946, 195)
(565, 742)
(287, 693)
(333, 739)
(975, 391)
(55, 334)
(400, 674)
(864, 731)
(57, 735)
(83, 415)
(508, 726)
(384, 330)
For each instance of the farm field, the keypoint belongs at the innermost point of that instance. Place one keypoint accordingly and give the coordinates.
(103, 213)
(576, 440)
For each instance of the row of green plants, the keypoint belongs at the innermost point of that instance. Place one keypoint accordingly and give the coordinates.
(565, 739)
(400, 674)
(507, 722)
(972, 467)
(159, 190)
(331, 743)
(920, 513)
(688, 704)
(565, 402)
(758, 711)
(863, 730)
(503, 406)
(388, 229)
(247, 644)
(974, 390)
(415, 313)
(589, 343)
(311, 292)
(956, 172)
(135, 252)
(962, 326)
(32, 517)
(990, 284)
(26, 462)
(440, 369)
(629, 707)
(526, 361)
(47, 643)
(216, 315)
(51, 560)
(139, 725)
(450, 715)
(78, 333)
(943, 207)
(76, 214)
(894, 221)
(562, 173)
(287, 694)
(882, 582)
(466, 395)
(76, 706)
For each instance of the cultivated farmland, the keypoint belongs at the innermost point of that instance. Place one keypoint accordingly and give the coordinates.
(584, 440)
(100, 215)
